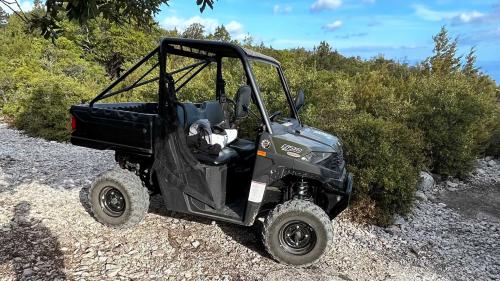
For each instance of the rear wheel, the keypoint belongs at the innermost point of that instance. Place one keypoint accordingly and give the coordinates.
(118, 199)
(297, 232)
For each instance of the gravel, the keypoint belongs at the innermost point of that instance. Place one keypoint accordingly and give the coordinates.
(46, 232)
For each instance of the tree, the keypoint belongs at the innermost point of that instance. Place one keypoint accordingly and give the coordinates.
(444, 60)
(322, 55)
(194, 31)
(141, 12)
(470, 69)
(221, 34)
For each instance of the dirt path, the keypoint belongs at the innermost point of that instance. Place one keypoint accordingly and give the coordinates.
(46, 232)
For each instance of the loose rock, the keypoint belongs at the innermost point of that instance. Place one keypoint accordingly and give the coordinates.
(46, 232)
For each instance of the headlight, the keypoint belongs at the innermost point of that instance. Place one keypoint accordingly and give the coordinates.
(316, 157)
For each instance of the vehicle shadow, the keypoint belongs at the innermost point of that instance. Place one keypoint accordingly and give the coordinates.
(246, 236)
(30, 247)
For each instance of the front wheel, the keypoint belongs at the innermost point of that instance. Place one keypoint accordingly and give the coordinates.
(297, 232)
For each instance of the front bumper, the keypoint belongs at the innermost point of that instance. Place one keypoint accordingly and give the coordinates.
(338, 201)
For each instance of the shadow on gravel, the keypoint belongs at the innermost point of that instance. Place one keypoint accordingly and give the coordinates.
(30, 247)
(476, 203)
(246, 236)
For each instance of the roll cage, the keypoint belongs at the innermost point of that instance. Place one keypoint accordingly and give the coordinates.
(206, 52)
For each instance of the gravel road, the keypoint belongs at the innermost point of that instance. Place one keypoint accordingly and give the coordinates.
(46, 232)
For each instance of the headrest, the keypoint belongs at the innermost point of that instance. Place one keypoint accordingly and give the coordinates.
(242, 101)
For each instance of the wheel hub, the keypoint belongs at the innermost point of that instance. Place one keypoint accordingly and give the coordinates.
(297, 237)
(112, 201)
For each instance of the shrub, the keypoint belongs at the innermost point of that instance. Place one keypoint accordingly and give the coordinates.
(386, 159)
(43, 111)
(493, 148)
(453, 117)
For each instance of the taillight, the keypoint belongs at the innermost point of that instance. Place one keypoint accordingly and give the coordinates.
(73, 123)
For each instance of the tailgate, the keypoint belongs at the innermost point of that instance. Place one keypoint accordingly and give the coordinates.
(107, 128)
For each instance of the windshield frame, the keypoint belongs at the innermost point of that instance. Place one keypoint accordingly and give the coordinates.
(291, 103)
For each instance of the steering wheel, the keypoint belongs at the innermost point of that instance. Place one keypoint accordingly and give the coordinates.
(274, 115)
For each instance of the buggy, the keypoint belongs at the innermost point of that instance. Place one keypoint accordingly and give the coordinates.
(206, 159)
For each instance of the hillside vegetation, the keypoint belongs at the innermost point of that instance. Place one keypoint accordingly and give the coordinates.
(394, 119)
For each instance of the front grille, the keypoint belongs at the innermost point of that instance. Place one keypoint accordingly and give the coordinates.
(334, 162)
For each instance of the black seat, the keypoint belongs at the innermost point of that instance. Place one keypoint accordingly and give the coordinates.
(213, 111)
(243, 146)
(187, 113)
(225, 155)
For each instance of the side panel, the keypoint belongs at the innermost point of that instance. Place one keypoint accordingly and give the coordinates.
(260, 179)
(104, 128)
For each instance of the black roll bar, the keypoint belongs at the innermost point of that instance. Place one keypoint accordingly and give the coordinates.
(117, 81)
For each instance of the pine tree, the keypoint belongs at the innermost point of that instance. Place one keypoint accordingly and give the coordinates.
(322, 55)
(444, 60)
(470, 68)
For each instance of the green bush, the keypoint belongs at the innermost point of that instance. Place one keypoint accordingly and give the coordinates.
(43, 111)
(454, 119)
(493, 148)
(386, 159)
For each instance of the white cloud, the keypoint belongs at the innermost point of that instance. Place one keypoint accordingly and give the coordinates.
(233, 27)
(26, 6)
(467, 17)
(181, 23)
(332, 26)
(455, 16)
(320, 5)
(431, 15)
(282, 9)
(236, 30)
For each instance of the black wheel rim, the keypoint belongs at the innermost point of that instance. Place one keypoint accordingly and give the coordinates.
(297, 237)
(112, 201)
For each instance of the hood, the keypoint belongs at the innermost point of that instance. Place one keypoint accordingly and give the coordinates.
(321, 137)
(299, 141)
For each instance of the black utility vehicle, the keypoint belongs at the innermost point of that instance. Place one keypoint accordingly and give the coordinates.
(198, 158)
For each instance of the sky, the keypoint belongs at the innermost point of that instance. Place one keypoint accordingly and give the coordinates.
(400, 30)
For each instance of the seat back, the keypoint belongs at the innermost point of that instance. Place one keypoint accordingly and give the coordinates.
(188, 113)
(213, 111)
(242, 100)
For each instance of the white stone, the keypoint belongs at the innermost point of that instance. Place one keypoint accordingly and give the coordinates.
(426, 181)
(451, 184)
(420, 195)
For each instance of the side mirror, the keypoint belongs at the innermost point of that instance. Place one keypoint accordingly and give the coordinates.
(299, 100)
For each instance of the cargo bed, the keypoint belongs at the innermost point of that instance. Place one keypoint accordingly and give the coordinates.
(124, 127)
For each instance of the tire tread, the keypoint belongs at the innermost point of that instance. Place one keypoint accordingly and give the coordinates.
(301, 206)
(138, 193)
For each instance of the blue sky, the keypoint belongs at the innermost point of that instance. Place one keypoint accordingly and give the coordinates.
(400, 30)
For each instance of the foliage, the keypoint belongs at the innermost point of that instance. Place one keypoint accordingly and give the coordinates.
(141, 12)
(394, 119)
(449, 112)
(493, 145)
(43, 112)
(386, 159)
